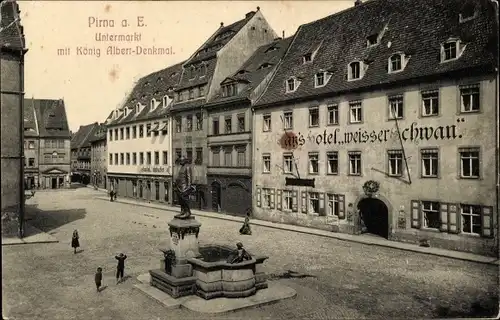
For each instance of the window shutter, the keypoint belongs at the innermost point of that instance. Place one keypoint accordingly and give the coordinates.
(304, 202)
(341, 206)
(453, 218)
(258, 197)
(415, 214)
(443, 214)
(295, 206)
(271, 192)
(487, 223)
(278, 199)
(322, 211)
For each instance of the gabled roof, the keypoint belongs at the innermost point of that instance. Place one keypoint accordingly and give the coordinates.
(155, 85)
(99, 133)
(83, 135)
(255, 69)
(11, 30)
(51, 117)
(30, 125)
(416, 28)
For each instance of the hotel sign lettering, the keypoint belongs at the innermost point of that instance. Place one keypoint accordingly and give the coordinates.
(154, 169)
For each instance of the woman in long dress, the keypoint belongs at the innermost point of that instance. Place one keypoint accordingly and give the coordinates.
(75, 242)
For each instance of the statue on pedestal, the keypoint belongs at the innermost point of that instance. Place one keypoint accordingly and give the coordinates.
(241, 254)
(184, 188)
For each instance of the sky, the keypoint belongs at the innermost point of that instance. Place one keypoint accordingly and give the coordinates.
(92, 86)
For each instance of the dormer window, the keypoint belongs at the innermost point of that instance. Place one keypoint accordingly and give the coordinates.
(307, 57)
(125, 112)
(153, 103)
(173, 74)
(191, 94)
(292, 84)
(203, 70)
(355, 70)
(271, 49)
(397, 62)
(321, 79)
(451, 50)
(191, 73)
(265, 65)
(467, 13)
(137, 108)
(242, 71)
(372, 40)
(202, 91)
(229, 90)
(165, 101)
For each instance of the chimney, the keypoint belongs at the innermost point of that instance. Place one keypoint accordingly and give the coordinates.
(222, 24)
(258, 8)
(283, 34)
(357, 3)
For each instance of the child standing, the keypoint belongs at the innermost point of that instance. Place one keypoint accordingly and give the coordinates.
(75, 243)
(98, 279)
(121, 267)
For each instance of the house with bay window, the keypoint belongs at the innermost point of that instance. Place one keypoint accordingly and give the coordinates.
(386, 121)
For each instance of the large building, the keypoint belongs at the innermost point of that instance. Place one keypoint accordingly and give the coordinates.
(98, 157)
(229, 139)
(81, 153)
(12, 52)
(53, 143)
(219, 57)
(31, 146)
(395, 116)
(139, 139)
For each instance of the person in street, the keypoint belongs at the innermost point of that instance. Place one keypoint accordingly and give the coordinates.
(111, 195)
(245, 229)
(75, 241)
(184, 188)
(120, 268)
(98, 279)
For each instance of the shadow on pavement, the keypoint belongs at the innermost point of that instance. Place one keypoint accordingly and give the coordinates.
(49, 220)
(487, 308)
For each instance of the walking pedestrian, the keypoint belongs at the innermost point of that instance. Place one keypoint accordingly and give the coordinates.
(98, 279)
(75, 242)
(120, 268)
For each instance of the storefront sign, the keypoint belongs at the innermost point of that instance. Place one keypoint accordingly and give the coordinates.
(155, 169)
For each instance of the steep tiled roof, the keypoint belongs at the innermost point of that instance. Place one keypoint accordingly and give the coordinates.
(30, 126)
(255, 69)
(11, 31)
(83, 135)
(416, 28)
(155, 85)
(99, 133)
(51, 117)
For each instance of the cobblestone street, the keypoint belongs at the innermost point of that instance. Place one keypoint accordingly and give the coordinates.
(340, 279)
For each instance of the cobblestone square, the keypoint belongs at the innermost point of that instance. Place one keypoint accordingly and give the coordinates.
(337, 279)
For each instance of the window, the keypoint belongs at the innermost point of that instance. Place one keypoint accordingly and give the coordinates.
(228, 159)
(191, 94)
(355, 112)
(430, 103)
(155, 128)
(157, 158)
(148, 158)
(333, 204)
(471, 219)
(141, 158)
(372, 40)
(430, 163)
(395, 163)
(319, 79)
(396, 107)
(215, 157)
(199, 121)
(116, 134)
(178, 154)
(241, 158)
(134, 132)
(141, 131)
(241, 123)
(111, 159)
(165, 157)
(307, 57)
(313, 202)
(203, 70)
(314, 116)
(266, 198)
(153, 103)
(288, 120)
(266, 162)
(31, 144)
(469, 162)
(189, 123)
(60, 144)
(290, 85)
(110, 135)
(189, 154)
(287, 200)
(148, 130)
(266, 123)
(430, 213)
(332, 162)
(354, 71)
(467, 13)
(122, 158)
(227, 125)
(116, 158)
(449, 50)
(215, 126)
(164, 130)
(31, 162)
(121, 134)
(395, 63)
(199, 156)
(127, 159)
(287, 163)
(134, 158)
(178, 124)
(354, 163)
(333, 114)
(313, 163)
(469, 98)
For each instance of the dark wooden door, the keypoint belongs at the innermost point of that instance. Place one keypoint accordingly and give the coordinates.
(216, 196)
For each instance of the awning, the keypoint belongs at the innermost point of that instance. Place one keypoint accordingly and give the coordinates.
(153, 128)
(162, 127)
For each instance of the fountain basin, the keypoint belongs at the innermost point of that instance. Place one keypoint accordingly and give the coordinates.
(215, 277)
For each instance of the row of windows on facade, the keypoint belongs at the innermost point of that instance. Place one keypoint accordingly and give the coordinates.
(137, 131)
(469, 167)
(228, 124)
(56, 144)
(190, 94)
(197, 120)
(83, 165)
(198, 159)
(450, 50)
(469, 103)
(143, 190)
(135, 158)
(227, 157)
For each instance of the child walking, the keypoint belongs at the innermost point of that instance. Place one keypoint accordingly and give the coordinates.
(98, 279)
(75, 243)
(120, 268)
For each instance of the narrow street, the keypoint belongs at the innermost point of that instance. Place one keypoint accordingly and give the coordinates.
(339, 279)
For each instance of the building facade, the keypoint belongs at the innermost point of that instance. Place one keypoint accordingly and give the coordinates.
(31, 146)
(229, 139)
(139, 140)
(12, 52)
(403, 133)
(54, 143)
(98, 157)
(219, 57)
(81, 153)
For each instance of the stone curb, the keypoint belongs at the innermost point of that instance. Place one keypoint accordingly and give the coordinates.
(344, 237)
(21, 242)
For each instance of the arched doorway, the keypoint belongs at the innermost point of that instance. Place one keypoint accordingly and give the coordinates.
(216, 196)
(375, 215)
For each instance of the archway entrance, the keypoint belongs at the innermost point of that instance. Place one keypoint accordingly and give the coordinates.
(375, 216)
(216, 196)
